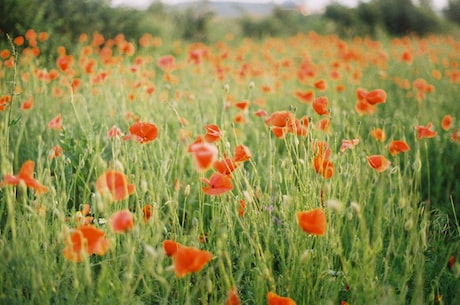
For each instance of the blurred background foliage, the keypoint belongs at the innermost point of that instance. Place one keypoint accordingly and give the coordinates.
(65, 20)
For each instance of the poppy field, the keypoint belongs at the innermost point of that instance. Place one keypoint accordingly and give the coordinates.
(299, 170)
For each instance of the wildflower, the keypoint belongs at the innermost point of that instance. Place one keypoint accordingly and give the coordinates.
(376, 96)
(274, 299)
(398, 146)
(232, 298)
(225, 166)
(378, 162)
(143, 132)
(323, 167)
(213, 133)
(170, 247)
(217, 184)
(313, 221)
(281, 119)
(86, 239)
(167, 63)
(114, 132)
(116, 183)
(241, 153)
(348, 144)
(320, 85)
(204, 155)
(242, 209)
(25, 175)
(122, 221)
(324, 124)
(425, 131)
(378, 134)
(56, 123)
(55, 152)
(28, 104)
(446, 122)
(305, 97)
(147, 212)
(186, 259)
(82, 216)
(320, 105)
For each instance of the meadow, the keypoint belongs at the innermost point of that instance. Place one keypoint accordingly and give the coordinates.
(299, 170)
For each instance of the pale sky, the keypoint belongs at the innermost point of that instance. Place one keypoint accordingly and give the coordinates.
(310, 4)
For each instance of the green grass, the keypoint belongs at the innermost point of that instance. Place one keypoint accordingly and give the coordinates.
(389, 235)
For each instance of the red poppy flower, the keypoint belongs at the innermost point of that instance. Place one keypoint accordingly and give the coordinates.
(378, 134)
(56, 123)
(313, 221)
(376, 96)
(378, 162)
(281, 119)
(167, 63)
(425, 131)
(348, 144)
(116, 183)
(217, 184)
(446, 122)
(85, 239)
(320, 105)
(114, 132)
(143, 132)
(225, 166)
(147, 211)
(55, 152)
(398, 146)
(25, 175)
(305, 97)
(122, 221)
(242, 209)
(320, 85)
(186, 259)
(213, 133)
(232, 298)
(321, 149)
(241, 153)
(28, 104)
(274, 299)
(170, 247)
(323, 167)
(204, 155)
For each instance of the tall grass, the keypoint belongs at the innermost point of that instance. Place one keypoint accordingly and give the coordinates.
(389, 235)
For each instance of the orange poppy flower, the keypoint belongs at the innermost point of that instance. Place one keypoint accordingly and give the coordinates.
(281, 119)
(378, 162)
(321, 149)
(55, 152)
(143, 132)
(348, 144)
(232, 298)
(261, 113)
(274, 299)
(241, 153)
(217, 184)
(320, 105)
(114, 132)
(305, 97)
(147, 212)
(323, 167)
(378, 134)
(320, 85)
(167, 63)
(186, 259)
(213, 133)
(324, 125)
(313, 221)
(26, 175)
(398, 146)
(225, 166)
(363, 107)
(242, 209)
(242, 105)
(28, 104)
(204, 155)
(116, 183)
(425, 131)
(85, 239)
(446, 122)
(170, 247)
(300, 127)
(376, 96)
(122, 221)
(56, 123)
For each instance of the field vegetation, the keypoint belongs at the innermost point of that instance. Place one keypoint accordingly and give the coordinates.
(302, 168)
